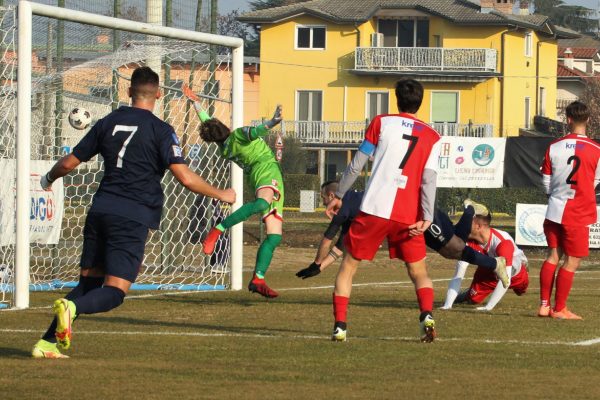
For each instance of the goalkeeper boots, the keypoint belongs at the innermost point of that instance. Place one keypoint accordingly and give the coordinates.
(65, 312)
(501, 272)
(208, 245)
(45, 349)
(339, 332)
(427, 327)
(259, 286)
(480, 209)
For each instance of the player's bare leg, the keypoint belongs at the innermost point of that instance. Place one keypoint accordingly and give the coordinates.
(547, 276)
(341, 295)
(564, 281)
(417, 271)
(264, 256)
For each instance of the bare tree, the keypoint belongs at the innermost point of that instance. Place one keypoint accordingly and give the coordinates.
(591, 98)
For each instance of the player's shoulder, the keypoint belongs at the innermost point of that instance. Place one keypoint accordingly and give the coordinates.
(501, 235)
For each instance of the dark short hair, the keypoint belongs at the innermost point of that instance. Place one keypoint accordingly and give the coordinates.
(325, 184)
(578, 112)
(144, 82)
(487, 219)
(330, 186)
(409, 95)
(214, 130)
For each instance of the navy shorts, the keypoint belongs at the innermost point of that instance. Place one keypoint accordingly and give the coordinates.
(440, 232)
(115, 244)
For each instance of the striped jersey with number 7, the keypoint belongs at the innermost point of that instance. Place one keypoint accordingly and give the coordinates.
(402, 147)
(570, 172)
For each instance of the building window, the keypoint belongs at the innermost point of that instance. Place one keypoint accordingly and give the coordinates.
(409, 32)
(101, 92)
(310, 37)
(377, 103)
(444, 107)
(543, 101)
(437, 41)
(310, 105)
(527, 112)
(528, 44)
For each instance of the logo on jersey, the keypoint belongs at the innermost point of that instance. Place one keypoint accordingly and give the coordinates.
(483, 155)
(177, 151)
(175, 138)
(530, 225)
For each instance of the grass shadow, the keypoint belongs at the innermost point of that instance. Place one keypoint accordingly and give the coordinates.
(7, 352)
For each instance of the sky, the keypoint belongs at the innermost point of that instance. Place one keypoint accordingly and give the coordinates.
(228, 5)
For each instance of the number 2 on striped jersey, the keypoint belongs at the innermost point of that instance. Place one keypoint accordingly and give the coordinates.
(411, 147)
(124, 128)
(576, 164)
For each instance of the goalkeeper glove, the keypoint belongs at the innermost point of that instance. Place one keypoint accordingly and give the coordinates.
(312, 270)
(276, 118)
(46, 182)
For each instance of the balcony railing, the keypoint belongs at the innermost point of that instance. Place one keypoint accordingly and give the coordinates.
(353, 132)
(424, 59)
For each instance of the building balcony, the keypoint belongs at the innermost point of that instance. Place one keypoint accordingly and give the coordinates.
(425, 61)
(351, 133)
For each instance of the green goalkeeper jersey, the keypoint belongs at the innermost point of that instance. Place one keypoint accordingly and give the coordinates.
(245, 147)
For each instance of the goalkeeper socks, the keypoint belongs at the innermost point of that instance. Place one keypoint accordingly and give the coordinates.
(244, 212)
(474, 257)
(265, 254)
(564, 281)
(86, 284)
(340, 308)
(99, 300)
(546, 282)
(462, 229)
(425, 298)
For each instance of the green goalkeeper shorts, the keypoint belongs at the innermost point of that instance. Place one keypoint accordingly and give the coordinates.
(268, 175)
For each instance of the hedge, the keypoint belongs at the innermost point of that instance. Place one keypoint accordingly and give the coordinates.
(501, 200)
(292, 184)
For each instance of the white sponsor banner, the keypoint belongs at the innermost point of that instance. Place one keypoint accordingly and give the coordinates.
(45, 208)
(529, 226)
(466, 162)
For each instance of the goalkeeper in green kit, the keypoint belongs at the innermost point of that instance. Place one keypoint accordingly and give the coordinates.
(246, 148)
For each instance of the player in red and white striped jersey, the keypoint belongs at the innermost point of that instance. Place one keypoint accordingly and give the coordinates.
(571, 171)
(398, 203)
(494, 243)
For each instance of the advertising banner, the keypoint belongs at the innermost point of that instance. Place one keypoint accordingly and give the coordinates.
(45, 207)
(529, 226)
(466, 162)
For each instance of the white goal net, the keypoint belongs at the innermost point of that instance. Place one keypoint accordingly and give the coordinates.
(75, 65)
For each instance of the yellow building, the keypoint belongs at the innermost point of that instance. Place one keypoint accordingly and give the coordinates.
(333, 64)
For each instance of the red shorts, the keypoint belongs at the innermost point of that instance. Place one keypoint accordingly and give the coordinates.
(368, 231)
(573, 239)
(485, 281)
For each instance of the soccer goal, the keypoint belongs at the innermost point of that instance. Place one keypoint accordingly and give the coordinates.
(68, 59)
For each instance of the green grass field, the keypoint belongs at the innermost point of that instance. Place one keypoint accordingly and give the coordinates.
(237, 345)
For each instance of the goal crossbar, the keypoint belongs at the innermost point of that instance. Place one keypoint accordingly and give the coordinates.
(26, 10)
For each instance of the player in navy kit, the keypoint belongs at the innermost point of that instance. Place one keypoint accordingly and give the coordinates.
(137, 148)
(442, 236)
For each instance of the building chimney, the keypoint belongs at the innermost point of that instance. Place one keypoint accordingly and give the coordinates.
(504, 6)
(524, 7)
(569, 58)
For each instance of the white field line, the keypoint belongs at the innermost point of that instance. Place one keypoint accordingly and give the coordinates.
(401, 284)
(316, 337)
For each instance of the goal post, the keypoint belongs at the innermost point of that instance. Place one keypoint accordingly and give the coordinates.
(26, 11)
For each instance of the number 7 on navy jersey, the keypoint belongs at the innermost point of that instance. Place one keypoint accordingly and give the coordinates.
(124, 128)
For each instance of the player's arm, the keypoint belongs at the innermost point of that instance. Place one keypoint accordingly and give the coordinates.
(196, 184)
(547, 172)
(255, 132)
(428, 189)
(62, 167)
(505, 249)
(454, 284)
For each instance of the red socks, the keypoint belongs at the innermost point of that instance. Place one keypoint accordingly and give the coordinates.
(340, 308)
(425, 298)
(546, 282)
(564, 281)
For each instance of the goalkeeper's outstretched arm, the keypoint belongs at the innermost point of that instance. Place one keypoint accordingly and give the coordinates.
(62, 167)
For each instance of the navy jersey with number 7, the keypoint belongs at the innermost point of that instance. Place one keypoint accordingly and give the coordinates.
(137, 148)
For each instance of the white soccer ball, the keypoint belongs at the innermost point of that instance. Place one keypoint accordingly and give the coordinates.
(80, 118)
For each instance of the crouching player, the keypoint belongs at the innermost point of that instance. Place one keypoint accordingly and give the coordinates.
(246, 148)
(492, 242)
